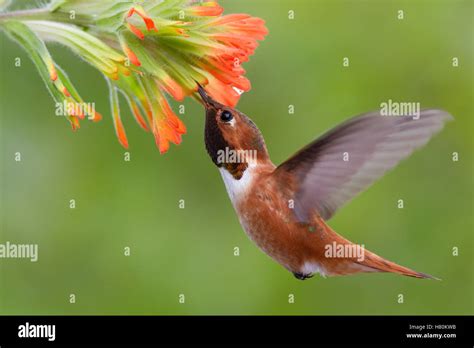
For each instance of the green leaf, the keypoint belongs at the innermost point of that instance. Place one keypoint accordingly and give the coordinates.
(39, 54)
(87, 46)
(37, 51)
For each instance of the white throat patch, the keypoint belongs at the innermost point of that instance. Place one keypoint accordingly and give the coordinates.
(236, 188)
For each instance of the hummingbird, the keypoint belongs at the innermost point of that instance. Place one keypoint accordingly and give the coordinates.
(283, 209)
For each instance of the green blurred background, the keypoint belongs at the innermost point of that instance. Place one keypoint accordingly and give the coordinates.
(191, 251)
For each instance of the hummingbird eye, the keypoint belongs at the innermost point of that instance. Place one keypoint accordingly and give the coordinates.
(226, 116)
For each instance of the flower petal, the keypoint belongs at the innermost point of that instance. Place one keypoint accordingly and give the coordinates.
(138, 33)
(150, 24)
(115, 108)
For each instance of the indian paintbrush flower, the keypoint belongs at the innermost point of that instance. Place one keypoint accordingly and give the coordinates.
(148, 51)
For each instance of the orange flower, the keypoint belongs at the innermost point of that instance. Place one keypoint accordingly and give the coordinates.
(194, 44)
(136, 31)
(238, 34)
(149, 23)
(130, 54)
(120, 131)
(53, 75)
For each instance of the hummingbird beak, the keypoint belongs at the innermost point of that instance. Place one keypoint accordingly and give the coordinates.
(207, 101)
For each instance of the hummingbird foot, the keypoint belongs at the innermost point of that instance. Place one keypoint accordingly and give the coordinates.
(302, 276)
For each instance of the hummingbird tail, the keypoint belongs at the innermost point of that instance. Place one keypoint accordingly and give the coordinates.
(379, 264)
(355, 258)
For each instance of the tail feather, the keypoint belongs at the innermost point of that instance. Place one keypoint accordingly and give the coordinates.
(380, 264)
(366, 262)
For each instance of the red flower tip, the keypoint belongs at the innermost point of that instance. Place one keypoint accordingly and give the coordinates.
(177, 125)
(75, 123)
(161, 142)
(222, 92)
(150, 24)
(66, 92)
(167, 129)
(75, 110)
(163, 145)
(131, 55)
(53, 75)
(138, 33)
(120, 131)
(138, 116)
(96, 117)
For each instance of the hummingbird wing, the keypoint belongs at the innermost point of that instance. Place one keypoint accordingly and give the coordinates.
(334, 168)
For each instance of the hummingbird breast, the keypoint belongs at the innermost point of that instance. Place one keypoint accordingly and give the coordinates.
(265, 212)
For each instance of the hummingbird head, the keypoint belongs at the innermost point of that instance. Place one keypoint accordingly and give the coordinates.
(233, 141)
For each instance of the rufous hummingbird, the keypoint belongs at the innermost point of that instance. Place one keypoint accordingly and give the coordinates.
(283, 209)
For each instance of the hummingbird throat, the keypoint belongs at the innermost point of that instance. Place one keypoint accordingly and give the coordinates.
(236, 161)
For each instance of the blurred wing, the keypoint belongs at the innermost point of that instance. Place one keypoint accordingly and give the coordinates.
(349, 158)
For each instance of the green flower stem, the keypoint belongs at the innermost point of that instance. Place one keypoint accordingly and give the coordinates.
(36, 13)
(44, 13)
